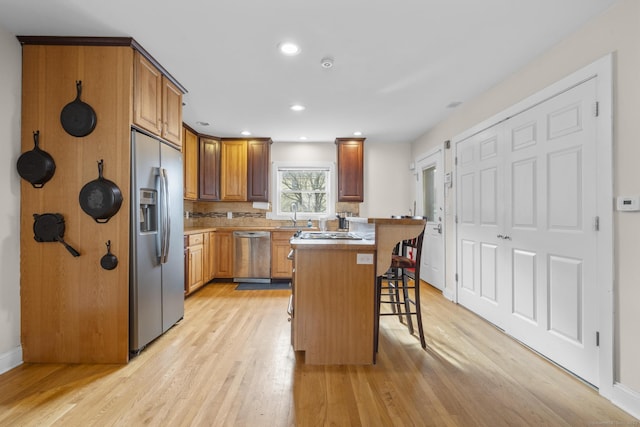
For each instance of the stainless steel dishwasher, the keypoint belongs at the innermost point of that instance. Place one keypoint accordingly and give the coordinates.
(252, 257)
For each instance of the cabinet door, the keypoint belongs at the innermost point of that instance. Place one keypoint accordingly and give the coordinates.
(350, 169)
(190, 159)
(206, 265)
(147, 95)
(196, 264)
(171, 112)
(281, 266)
(224, 254)
(258, 160)
(212, 257)
(233, 170)
(209, 169)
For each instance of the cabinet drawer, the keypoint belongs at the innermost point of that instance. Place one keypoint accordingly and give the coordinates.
(195, 239)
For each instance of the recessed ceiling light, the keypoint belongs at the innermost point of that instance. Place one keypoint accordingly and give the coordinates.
(357, 133)
(303, 138)
(203, 123)
(289, 48)
(245, 133)
(298, 107)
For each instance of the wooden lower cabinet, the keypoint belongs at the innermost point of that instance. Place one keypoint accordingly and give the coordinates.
(196, 262)
(210, 273)
(280, 265)
(223, 254)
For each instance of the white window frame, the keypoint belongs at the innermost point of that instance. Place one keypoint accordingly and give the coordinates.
(331, 189)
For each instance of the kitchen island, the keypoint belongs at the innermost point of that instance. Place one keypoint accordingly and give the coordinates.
(333, 291)
(332, 298)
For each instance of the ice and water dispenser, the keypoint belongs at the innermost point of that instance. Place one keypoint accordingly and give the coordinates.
(148, 211)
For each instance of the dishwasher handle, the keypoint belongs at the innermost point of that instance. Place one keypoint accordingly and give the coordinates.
(251, 234)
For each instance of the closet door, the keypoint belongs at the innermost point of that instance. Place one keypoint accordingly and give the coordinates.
(480, 178)
(526, 236)
(550, 238)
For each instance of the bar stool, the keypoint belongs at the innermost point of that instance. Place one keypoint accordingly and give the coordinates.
(393, 287)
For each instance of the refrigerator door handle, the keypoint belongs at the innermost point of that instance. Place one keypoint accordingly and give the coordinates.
(160, 215)
(167, 224)
(164, 214)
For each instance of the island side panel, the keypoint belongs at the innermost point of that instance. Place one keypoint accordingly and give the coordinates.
(334, 308)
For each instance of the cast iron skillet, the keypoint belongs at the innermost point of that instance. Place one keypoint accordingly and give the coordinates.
(109, 261)
(77, 117)
(100, 198)
(49, 227)
(36, 166)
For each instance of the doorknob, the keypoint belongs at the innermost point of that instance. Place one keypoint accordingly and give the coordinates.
(439, 228)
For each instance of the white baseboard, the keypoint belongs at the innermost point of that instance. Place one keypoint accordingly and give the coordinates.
(10, 359)
(448, 294)
(626, 399)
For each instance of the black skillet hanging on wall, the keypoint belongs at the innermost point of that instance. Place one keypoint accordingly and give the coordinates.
(49, 227)
(77, 117)
(100, 198)
(109, 261)
(36, 166)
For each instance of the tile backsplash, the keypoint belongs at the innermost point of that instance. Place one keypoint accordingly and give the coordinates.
(242, 214)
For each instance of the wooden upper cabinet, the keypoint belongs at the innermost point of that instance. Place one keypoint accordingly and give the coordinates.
(258, 161)
(190, 159)
(171, 112)
(157, 102)
(147, 98)
(209, 168)
(233, 170)
(350, 169)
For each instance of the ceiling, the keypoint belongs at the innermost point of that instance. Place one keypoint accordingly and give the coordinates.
(398, 65)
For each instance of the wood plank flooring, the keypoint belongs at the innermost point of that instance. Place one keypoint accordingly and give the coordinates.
(229, 362)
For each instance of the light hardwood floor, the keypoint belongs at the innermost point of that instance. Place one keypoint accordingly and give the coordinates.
(229, 363)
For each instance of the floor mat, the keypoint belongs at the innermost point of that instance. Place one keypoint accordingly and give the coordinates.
(247, 286)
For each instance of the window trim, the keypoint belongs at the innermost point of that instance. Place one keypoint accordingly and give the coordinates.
(331, 188)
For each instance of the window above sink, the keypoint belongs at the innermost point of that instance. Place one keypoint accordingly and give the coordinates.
(305, 190)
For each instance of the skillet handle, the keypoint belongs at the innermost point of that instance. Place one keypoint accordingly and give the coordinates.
(69, 248)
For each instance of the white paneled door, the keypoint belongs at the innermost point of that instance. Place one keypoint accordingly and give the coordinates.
(527, 235)
(430, 203)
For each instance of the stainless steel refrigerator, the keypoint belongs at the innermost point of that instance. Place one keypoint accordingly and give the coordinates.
(156, 277)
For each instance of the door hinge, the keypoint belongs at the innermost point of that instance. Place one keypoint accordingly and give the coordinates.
(597, 339)
(447, 144)
(596, 223)
(596, 109)
(456, 277)
(455, 161)
(456, 218)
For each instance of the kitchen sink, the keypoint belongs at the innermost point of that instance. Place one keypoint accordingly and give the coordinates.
(291, 227)
(330, 235)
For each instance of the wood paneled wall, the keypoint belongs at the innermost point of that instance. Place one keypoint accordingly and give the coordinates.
(74, 311)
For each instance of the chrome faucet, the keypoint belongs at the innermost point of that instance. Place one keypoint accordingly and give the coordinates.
(294, 208)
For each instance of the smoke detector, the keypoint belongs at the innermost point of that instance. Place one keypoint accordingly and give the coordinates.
(326, 62)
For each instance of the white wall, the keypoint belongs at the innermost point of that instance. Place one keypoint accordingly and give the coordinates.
(617, 30)
(10, 92)
(386, 174)
(385, 166)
